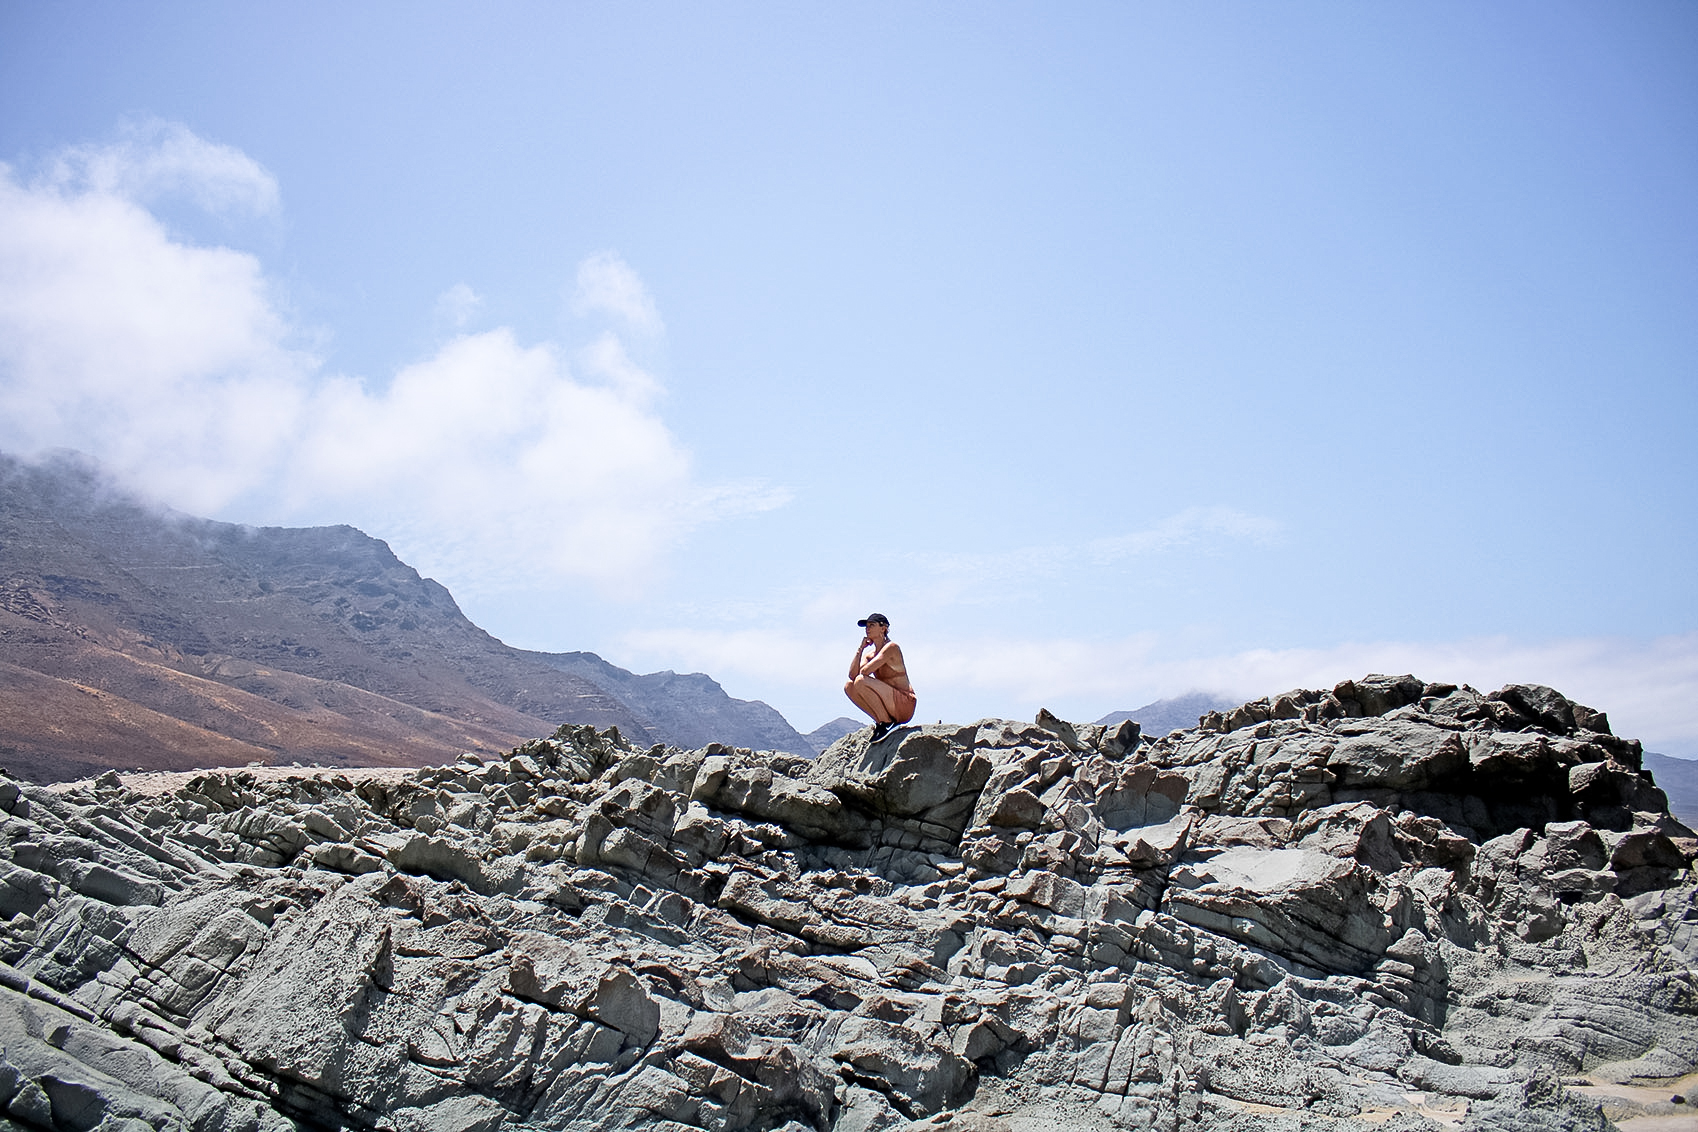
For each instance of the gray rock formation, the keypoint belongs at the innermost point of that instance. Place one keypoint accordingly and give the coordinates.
(1393, 905)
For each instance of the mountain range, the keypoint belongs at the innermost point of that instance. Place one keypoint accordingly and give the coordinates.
(1158, 718)
(133, 636)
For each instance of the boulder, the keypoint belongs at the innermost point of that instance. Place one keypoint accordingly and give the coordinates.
(918, 776)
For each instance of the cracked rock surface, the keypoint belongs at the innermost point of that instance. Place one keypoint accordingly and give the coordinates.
(1392, 905)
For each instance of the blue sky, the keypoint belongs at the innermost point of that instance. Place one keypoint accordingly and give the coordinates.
(1112, 352)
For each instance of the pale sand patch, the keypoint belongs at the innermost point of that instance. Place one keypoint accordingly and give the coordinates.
(1655, 1110)
(155, 783)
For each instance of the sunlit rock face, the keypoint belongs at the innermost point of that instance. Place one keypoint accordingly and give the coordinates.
(1394, 905)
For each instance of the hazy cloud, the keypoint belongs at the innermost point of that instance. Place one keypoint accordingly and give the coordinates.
(607, 285)
(168, 362)
(989, 576)
(1190, 526)
(520, 467)
(763, 656)
(153, 159)
(487, 463)
(456, 306)
(1646, 686)
(605, 358)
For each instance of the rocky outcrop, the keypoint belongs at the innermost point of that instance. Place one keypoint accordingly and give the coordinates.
(1393, 905)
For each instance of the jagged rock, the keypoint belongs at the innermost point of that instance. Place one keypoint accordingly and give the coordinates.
(599, 990)
(1343, 909)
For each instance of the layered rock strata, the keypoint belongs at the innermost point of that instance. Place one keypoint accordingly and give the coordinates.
(1393, 905)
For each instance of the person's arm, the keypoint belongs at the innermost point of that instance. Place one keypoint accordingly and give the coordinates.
(855, 664)
(877, 662)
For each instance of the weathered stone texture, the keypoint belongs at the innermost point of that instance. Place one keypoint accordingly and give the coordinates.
(1391, 905)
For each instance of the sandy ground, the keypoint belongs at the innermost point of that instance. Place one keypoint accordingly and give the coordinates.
(1656, 1112)
(154, 783)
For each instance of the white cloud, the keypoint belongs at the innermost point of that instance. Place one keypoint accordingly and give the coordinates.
(1653, 683)
(607, 285)
(490, 463)
(168, 362)
(515, 464)
(154, 159)
(606, 358)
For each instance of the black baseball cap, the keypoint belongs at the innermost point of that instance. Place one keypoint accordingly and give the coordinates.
(879, 617)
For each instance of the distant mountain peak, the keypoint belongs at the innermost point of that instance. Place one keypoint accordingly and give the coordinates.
(1161, 716)
(826, 734)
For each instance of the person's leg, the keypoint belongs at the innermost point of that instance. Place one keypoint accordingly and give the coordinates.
(876, 698)
(866, 699)
(902, 706)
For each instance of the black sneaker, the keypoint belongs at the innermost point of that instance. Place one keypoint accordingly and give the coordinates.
(880, 730)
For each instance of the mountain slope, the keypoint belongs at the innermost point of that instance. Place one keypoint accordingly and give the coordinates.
(1679, 780)
(826, 734)
(54, 727)
(690, 710)
(135, 637)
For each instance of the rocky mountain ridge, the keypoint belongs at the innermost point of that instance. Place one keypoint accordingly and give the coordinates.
(1389, 905)
(687, 710)
(136, 638)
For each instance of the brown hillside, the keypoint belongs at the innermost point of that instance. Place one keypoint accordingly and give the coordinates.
(131, 637)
